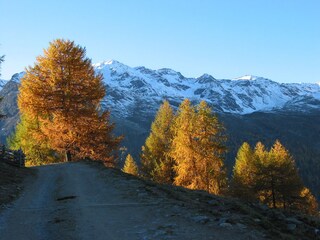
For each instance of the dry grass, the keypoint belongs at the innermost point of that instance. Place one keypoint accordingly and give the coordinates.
(11, 179)
(272, 222)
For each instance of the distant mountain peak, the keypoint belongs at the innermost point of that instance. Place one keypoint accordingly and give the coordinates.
(129, 88)
(17, 77)
(248, 77)
(206, 75)
(168, 71)
(205, 78)
(109, 62)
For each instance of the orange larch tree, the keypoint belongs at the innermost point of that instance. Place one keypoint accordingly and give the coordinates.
(198, 148)
(156, 163)
(63, 91)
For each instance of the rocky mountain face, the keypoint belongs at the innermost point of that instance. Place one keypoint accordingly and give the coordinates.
(248, 94)
(252, 109)
(128, 87)
(2, 83)
(8, 107)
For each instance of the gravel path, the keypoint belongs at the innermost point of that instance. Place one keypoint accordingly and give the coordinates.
(85, 201)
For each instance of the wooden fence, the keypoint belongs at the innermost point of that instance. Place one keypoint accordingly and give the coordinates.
(12, 157)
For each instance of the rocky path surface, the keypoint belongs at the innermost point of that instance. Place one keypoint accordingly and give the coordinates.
(87, 201)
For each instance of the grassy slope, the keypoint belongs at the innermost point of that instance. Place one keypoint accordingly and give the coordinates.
(272, 222)
(11, 179)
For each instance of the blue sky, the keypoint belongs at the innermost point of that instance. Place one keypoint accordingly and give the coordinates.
(277, 39)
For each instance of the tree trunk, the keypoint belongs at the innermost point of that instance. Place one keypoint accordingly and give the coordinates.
(68, 156)
(273, 194)
(207, 178)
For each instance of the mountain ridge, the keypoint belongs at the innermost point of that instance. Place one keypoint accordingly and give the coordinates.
(242, 95)
(135, 94)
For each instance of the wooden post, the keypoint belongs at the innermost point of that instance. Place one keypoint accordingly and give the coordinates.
(21, 158)
(68, 156)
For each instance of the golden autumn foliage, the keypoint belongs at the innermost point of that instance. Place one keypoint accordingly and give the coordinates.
(198, 149)
(242, 183)
(36, 150)
(130, 166)
(270, 177)
(181, 150)
(308, 203)
(278, 181)
(63, 92)
(155, 160)
(186, 148)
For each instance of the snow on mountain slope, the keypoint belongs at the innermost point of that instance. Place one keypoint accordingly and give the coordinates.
(16, 77)
(140, 90)
(140, 86)
(2, 83)
(247, 77)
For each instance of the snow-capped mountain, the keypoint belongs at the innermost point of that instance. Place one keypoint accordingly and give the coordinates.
(15, 78)
(130, 88)
(127, 86)
(2, 83)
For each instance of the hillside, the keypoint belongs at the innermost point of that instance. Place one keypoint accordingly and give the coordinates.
(11, 182)
(85, 200)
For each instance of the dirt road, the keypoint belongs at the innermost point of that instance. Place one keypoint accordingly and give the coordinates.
(83, 201)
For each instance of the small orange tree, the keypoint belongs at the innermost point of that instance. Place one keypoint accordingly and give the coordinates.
(130, 166)
(64, 93)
